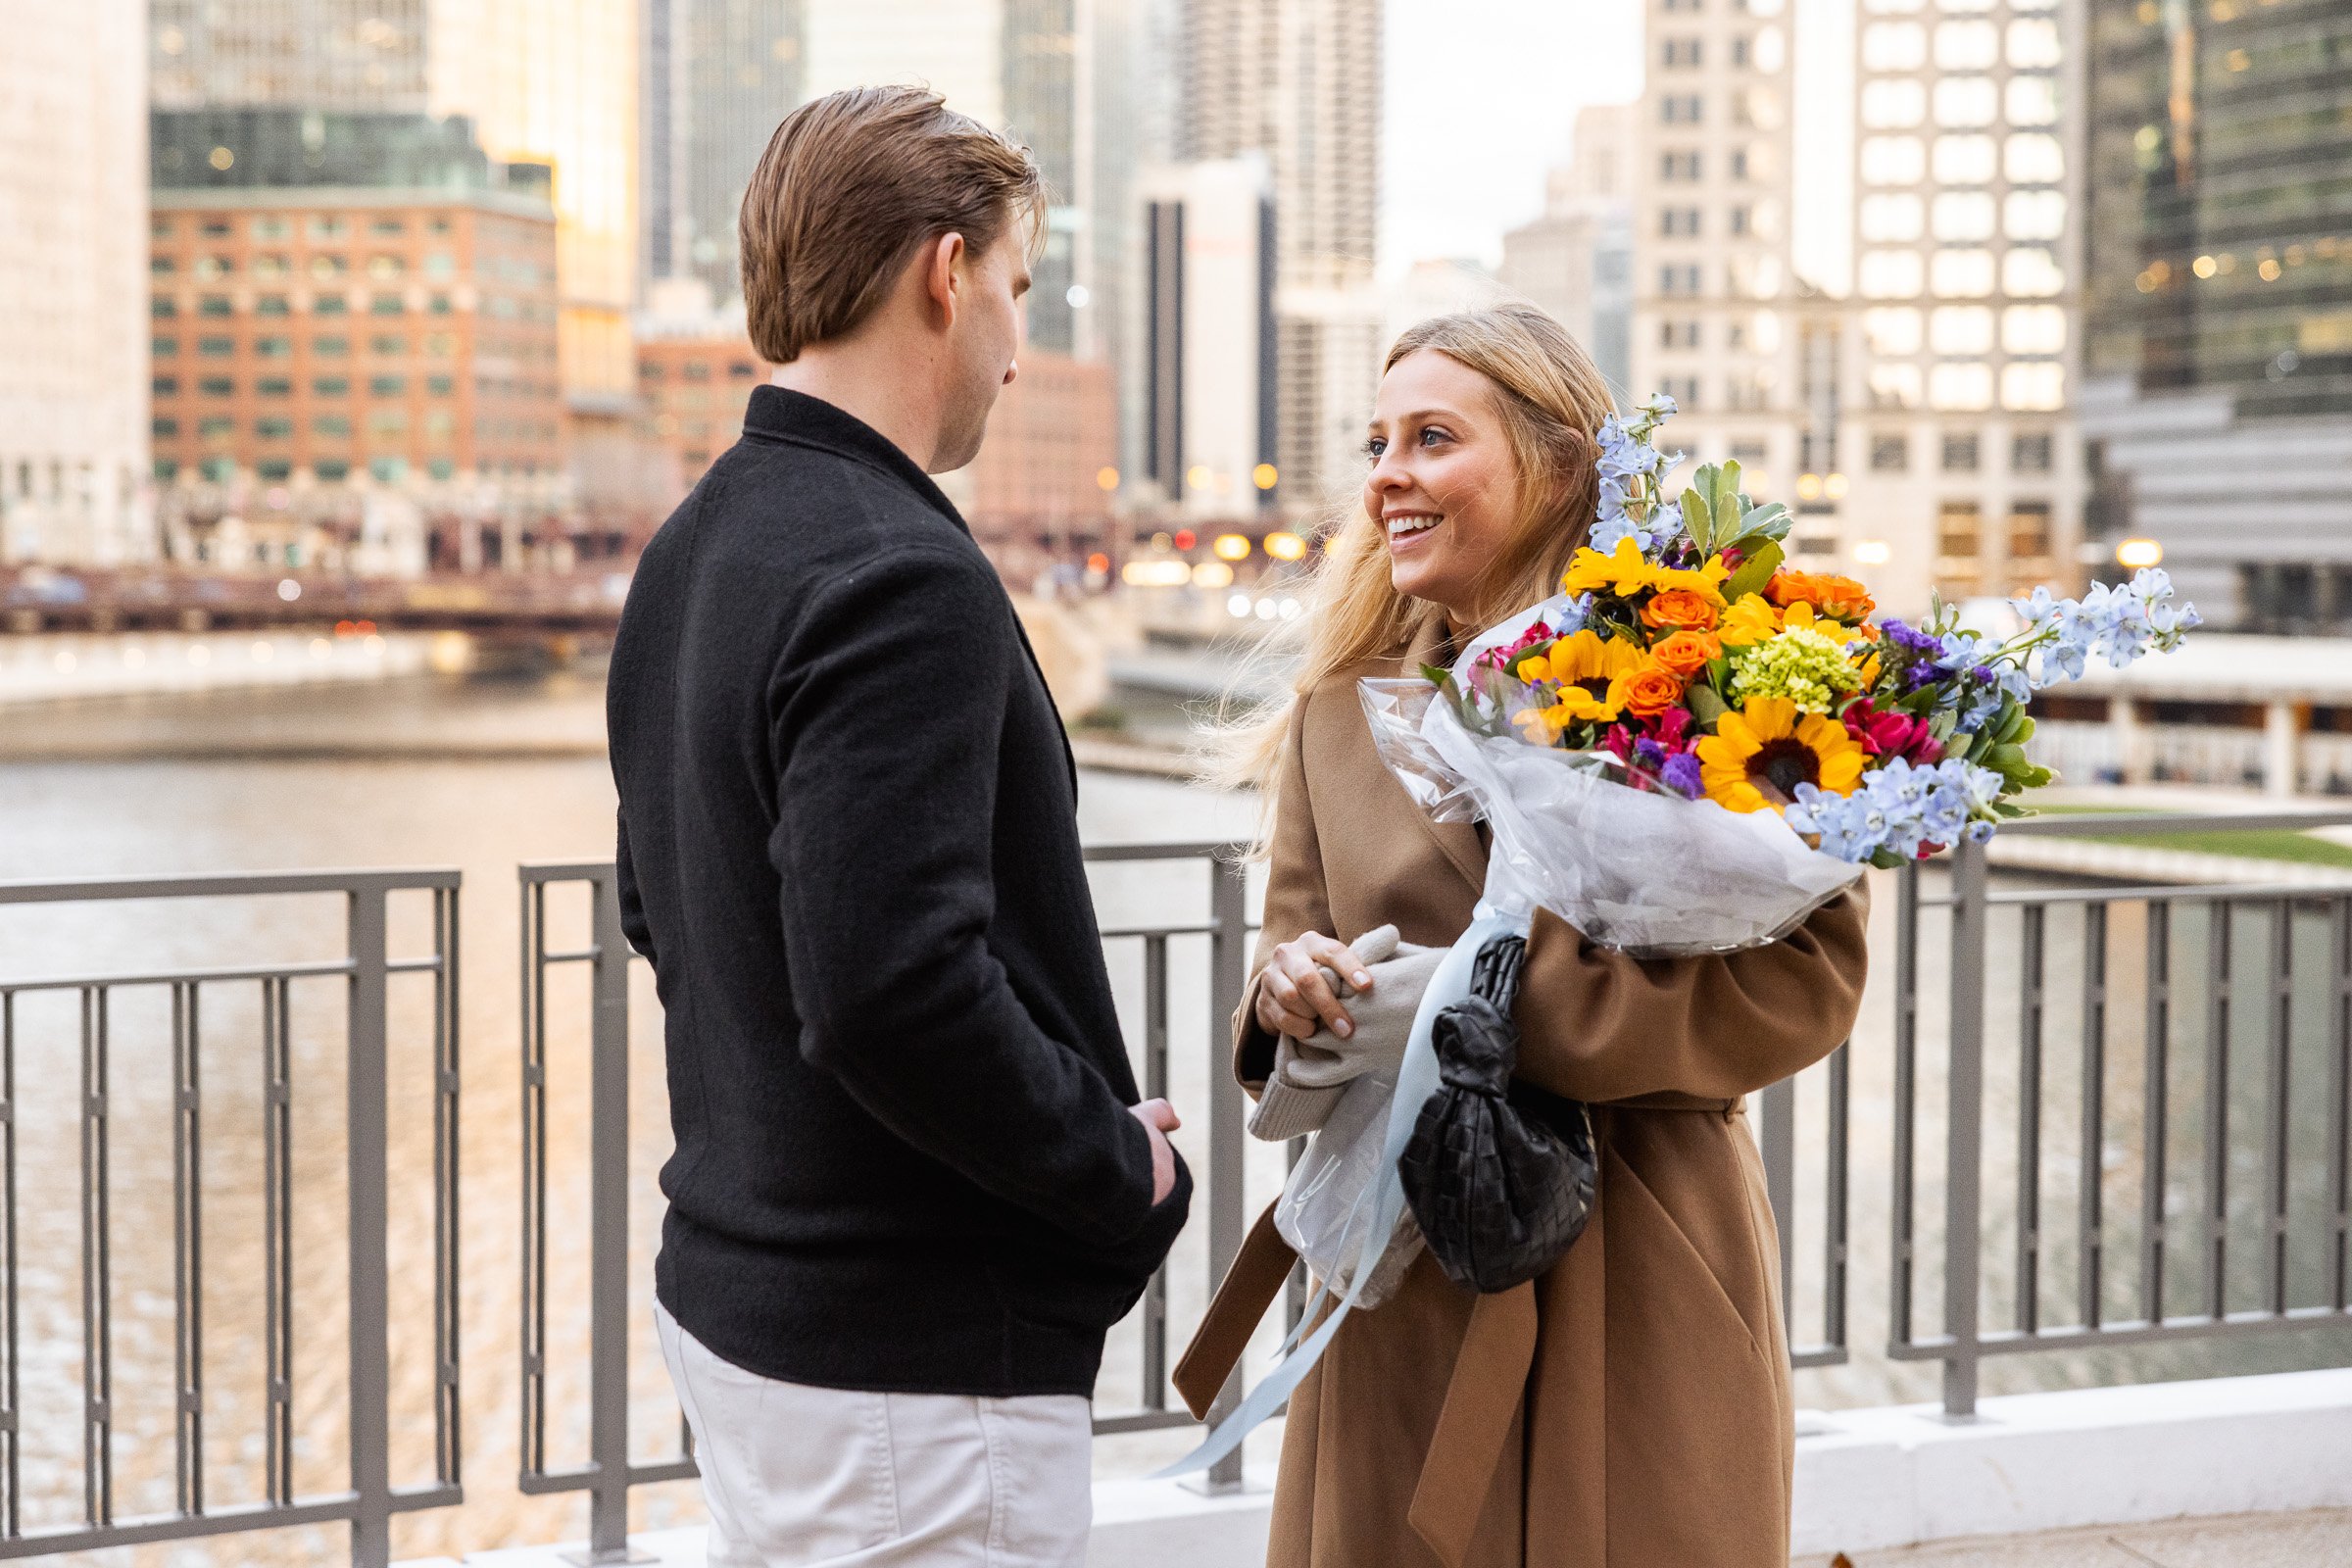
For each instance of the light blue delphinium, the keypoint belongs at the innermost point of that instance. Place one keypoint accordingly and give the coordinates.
(1628, 462)
(2119, 622)
(1901, 809)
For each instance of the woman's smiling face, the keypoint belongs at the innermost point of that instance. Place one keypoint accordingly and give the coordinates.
(1445, 483)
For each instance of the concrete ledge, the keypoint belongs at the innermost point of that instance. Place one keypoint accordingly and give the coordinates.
(2032, 1462)
(1869, 1479)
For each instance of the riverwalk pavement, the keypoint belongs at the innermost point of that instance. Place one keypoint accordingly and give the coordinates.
(2322, 1539)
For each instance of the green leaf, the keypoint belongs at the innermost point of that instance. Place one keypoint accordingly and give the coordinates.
(1724, 492)
(1719, 672)
(1437, 675)
(1771, 520)
(2025, 731)
(1697, 522)
(1705, 704)
(1754, 573)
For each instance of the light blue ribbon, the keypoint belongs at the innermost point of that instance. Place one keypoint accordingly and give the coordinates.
(1383, 1200)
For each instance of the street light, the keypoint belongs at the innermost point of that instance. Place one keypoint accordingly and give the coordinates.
(2138, 552)
(1232, 547)
(1285, 546)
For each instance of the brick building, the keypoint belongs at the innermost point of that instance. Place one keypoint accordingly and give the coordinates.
(331, 360)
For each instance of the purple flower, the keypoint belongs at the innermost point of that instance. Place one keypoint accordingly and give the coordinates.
(1681, 775)
(1649, 754)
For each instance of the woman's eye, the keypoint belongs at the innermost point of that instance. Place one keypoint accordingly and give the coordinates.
(1375, 447)
(1432, 435)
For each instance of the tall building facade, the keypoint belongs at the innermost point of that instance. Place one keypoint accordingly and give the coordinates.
(1055, 73)
(1297, 84)
(1963, 459)
(719, 75)
(353, 330)
(1712, 280)
(2218, 301)
(1209, 427)
(73, 312)
(548, 82)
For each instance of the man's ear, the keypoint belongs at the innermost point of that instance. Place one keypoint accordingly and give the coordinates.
(940, 281)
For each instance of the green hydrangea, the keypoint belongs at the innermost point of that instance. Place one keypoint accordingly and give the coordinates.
(1806, 667)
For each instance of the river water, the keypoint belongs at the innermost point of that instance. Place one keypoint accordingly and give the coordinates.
(485, 775)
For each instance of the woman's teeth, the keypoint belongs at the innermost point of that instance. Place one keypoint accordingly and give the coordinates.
(1400, 527)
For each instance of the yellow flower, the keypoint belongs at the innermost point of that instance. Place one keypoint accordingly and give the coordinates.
(1767, 745)
(1590, 660)
(1624, 573)
(1749, 621)
(1584, 667)
(1705, 580)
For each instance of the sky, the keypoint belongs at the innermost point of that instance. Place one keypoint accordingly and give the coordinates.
(1480, 96)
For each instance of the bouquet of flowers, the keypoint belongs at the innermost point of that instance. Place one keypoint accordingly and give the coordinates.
(1643, 743)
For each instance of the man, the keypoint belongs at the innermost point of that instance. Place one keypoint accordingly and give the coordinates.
(912, 1188)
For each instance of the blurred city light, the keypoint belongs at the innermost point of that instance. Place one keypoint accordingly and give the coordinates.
(1156, 574)
(1872, 551)
(1285, 546)
(1212, 574)
(1232, 547)
(2138, 552)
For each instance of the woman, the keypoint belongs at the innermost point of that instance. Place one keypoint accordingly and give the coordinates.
(1631, 1407)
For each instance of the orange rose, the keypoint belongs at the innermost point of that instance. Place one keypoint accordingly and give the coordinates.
(1687, 652)
(1838, 598)
(1647, 691)
(1683, 608)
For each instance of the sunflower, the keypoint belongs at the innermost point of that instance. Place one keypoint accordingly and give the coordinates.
(1768, 745)
(1585, 667)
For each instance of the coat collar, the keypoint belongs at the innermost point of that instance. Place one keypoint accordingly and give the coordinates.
(779, 414)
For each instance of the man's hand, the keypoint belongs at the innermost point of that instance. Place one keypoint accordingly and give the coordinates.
(1159, 1119)
(1295, 1000)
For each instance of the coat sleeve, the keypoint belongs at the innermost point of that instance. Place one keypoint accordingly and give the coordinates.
(1296, 899)
(887, 712)
(1596, 1025)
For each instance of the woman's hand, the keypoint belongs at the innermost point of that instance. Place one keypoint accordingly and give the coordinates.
(1293, 997)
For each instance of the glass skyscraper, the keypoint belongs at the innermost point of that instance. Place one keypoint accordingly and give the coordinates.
(2218, 299)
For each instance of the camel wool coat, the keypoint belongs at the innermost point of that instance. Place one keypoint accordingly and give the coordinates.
(1631, 1407)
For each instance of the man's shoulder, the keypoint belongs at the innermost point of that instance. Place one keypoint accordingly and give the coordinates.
(806, 501)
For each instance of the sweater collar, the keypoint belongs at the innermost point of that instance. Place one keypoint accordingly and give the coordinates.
(779, 414)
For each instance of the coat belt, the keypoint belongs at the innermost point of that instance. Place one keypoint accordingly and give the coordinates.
(1482, 1397)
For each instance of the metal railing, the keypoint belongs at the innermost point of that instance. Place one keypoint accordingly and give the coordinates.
(2326, 1234)
(371, 1499)
(2154, 977)
(610, 1475)
(609, 1472)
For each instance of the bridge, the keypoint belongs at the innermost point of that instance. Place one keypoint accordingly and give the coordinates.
(2106, 1130)
(46, 599)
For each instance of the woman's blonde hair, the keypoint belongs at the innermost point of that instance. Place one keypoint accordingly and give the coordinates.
(1553, 399)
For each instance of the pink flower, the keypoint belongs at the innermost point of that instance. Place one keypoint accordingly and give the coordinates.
(1891, 735)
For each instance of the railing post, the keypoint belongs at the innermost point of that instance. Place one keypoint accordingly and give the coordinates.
(609, 1232)
(1228, 970)
(1964, 1144)
(368, 1179)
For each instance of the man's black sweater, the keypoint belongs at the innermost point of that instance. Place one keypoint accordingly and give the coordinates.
(849, 847)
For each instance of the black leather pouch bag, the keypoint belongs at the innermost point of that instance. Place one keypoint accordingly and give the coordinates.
(1501, 1176)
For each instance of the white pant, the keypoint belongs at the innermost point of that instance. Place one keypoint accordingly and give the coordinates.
(797, 1476)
